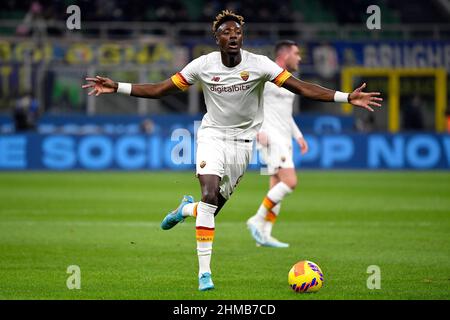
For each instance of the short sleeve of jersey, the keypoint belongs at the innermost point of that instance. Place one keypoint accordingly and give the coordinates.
(189, 74)
(274, 72)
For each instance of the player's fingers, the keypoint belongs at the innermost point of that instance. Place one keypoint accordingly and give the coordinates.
(374, 93)
(93, 92)
(100, 78)
(90, 85)
(98, 93)
(92, 79)
(376, 99)
(368, 108)
(362, 87)
(374, 104)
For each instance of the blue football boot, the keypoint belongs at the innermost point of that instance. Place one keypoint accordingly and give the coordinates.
(256, 229)
(205, 282)
(273, 243)
(176, 215)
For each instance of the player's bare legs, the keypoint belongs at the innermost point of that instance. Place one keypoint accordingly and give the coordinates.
(204, 211)
(283, 181)
(212, 201)
(281, 184)
(209, 185)
(287, 176)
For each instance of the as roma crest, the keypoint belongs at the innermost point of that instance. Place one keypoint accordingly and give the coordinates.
(245, 75)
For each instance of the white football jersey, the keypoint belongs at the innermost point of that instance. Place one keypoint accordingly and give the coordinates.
(278, 123)
(233, 96)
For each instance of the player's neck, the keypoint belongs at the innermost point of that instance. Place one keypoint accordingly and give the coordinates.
(230, 61)
(280, 62)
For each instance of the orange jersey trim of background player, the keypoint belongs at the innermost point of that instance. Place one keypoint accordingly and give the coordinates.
(281, 78)
(180, 81)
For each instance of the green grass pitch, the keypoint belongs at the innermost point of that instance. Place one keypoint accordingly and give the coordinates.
(108, 225)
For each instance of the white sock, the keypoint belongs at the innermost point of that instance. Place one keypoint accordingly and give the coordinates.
(189, 209)
(277, 209)
(268, 225)
(278, 192)
(274, 196)
(204, 225)
(204, 251)
(261, 213)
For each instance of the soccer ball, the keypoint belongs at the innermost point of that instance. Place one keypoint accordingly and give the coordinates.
(305, 276)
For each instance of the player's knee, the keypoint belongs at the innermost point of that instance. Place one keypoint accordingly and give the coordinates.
(210, 196)
(291, 183)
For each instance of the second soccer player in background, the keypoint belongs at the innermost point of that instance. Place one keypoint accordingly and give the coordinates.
(274, 142)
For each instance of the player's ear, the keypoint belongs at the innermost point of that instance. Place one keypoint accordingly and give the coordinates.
(216, 38)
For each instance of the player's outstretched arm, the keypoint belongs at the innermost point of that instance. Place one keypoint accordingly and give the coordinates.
(101, 85)
(365, 100)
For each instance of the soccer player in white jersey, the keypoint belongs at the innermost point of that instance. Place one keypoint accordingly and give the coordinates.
(233, 81)
(274, 141)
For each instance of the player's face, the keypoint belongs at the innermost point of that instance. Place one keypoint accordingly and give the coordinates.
(229, 37)
(293, 59)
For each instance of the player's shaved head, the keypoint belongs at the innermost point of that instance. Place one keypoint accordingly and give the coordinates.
(283, 45)
(287, 54)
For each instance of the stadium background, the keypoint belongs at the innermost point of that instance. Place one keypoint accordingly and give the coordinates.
(48, 123)
(43, 64)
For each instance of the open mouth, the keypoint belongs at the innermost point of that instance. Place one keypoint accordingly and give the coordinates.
(233, 45)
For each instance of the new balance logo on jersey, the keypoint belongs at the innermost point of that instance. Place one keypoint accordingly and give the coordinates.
(215, 79)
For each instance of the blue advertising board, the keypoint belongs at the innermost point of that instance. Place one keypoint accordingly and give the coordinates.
(177, 152)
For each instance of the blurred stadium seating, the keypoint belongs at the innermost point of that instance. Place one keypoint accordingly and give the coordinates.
(395, 11)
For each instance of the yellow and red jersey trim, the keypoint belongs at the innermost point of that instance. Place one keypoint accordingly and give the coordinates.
(180, 81)
(281, 78)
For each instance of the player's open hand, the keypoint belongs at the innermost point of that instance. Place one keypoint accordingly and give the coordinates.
(365, 100)
(303, 145)
(100, 85)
